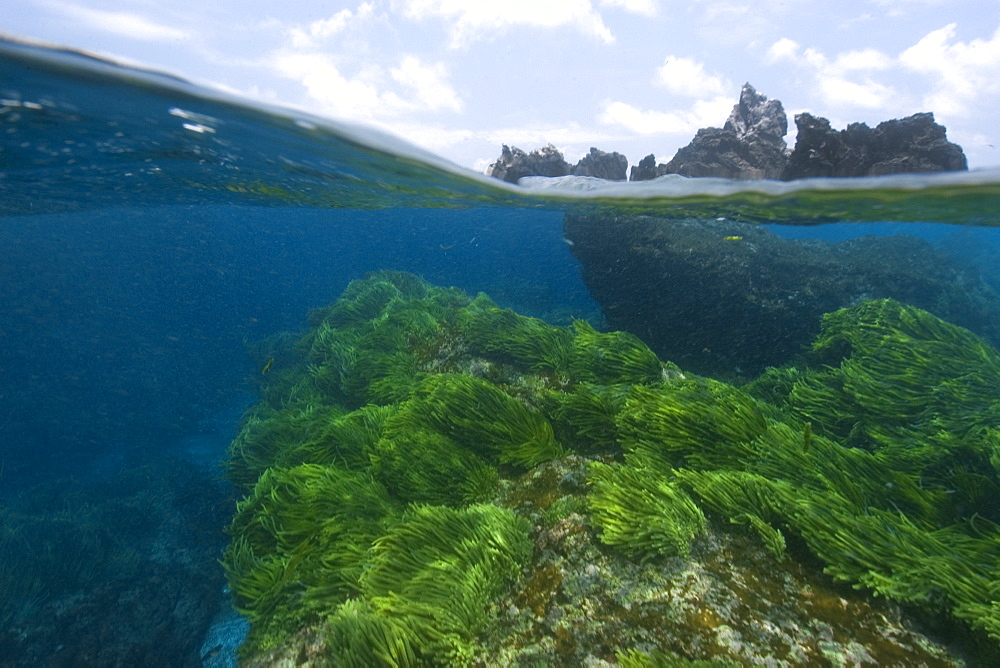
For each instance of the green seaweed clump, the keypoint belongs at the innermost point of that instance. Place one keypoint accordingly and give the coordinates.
(384, 470)
(369, 465)
(911, 515)
(643, 513)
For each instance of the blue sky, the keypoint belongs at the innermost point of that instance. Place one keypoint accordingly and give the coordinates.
(461, 77)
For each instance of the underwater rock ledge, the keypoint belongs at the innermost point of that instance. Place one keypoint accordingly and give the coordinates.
(729, 299)
(433, 480)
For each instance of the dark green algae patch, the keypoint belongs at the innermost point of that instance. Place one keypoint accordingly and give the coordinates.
(433, 480)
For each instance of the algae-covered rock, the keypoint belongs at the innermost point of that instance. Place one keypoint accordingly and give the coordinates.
(439, 481)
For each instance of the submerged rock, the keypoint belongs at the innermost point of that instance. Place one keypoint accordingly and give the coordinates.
(729, 299)
(912, 144)
(118, 572)
(439, 481)
(514, 164)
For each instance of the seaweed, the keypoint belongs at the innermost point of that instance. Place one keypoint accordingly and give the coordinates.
(370, 466)
(641, 512)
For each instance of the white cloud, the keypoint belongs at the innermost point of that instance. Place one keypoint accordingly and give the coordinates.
(125, 24)
(428, 83)
(963, 71)
(703, 113)
(687, 77)
(960, 74)
(849, 79)
(783, 49)
(865, 59)
(535, 135)
(322, 29)
(348, 98)
(366, 95)
(472, 19)
(868, 93)
(641, 7)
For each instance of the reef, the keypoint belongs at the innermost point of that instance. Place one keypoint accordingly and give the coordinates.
(729, 299)
(434, 480)
(116, 572)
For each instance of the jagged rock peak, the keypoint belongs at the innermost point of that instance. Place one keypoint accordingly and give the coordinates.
(751, 145)
(757, 117)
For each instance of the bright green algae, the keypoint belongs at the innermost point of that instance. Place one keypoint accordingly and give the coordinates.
(372, 465)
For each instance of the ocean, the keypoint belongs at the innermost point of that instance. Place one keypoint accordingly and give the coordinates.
(277, 389)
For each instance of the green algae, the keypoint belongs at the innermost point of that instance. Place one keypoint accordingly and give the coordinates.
(642, 512)
(415, 412)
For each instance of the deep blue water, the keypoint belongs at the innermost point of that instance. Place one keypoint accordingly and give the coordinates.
(142, 262)
(129, 325)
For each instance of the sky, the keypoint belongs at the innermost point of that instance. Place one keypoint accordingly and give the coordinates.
(462, 77)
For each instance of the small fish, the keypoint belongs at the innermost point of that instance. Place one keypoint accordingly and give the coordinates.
(267, 367)
(212, 652)
(732, 238)
(807, 437)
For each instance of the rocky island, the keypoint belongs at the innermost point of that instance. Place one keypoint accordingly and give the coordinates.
(751, 145)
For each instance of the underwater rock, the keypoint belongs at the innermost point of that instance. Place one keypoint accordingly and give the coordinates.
(120, 572)
(750, 145)
(912, 144)
(729, 299)
(602, 165)
(439, 481)
(514, 163)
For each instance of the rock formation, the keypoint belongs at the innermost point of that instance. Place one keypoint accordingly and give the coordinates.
(514, 163)
(750, 145)
(602, 165)
(645, 170)
(729, 299)
(912, 144)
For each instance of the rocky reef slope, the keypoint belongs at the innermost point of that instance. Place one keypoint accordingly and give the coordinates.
(729, 299)
(438, 481)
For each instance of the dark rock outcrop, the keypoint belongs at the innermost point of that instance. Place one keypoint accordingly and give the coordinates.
(602, 165)
(750, 145)
(645, 170)
(729, 299)
(514, 163)
(912, 144)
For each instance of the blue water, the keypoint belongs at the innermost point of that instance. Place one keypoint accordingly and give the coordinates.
(152, 234)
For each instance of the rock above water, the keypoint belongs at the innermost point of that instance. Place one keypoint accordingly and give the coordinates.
(602, 165)
(645, 170)
(750, 145)
(729, 299)
(514, 164)
(912, 144)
